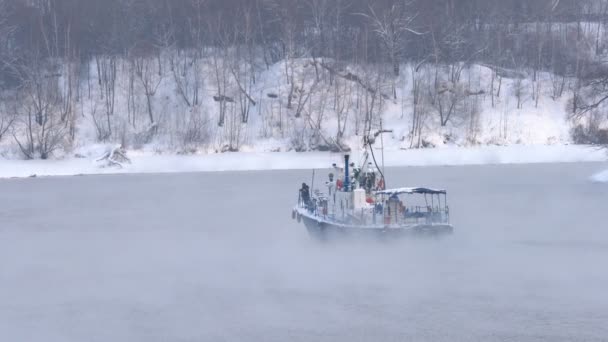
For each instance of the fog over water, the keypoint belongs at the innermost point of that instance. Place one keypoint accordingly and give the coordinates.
(216, 257)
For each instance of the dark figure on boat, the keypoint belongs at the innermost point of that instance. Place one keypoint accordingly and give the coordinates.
(305, 195)
(369, 181)
(331, 186)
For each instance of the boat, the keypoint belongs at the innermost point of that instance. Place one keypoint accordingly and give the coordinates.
(359, 205)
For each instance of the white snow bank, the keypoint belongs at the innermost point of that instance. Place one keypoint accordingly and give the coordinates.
(447, 156)
(601, 177)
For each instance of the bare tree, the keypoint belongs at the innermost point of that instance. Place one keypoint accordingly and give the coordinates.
(43, 131)
(558, 85)
(420, 103)
(447, 98)
(132, 103)
(7, 115)
(185, 68)
(243, 66)
(221, 72)
(342, 107)
(391, 24)
(474, 122)
(520, 91)
(7, 53)
(107, 79)
(313, 115)
(301, 94)
(373, 99)
(220, 65)
(195, 131)
(150, 76)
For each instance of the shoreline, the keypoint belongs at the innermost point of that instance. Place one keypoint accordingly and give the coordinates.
(146, 163)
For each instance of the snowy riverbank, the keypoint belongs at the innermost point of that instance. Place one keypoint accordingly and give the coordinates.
(447, 156)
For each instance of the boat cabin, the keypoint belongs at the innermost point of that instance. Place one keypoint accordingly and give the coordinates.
(408, 206)
(385, 208)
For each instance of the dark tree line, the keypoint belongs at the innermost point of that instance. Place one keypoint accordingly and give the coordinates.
(64, 60)
(500, 32)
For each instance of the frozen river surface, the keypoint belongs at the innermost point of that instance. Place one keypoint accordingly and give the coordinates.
(216, 257)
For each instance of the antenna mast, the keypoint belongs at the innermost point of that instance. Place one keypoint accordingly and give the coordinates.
(382, 147)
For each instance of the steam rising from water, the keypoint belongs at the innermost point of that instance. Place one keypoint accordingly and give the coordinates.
(601, 177)
(216, 257)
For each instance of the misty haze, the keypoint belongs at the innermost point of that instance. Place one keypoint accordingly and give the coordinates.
(303, 170)
(215, 257)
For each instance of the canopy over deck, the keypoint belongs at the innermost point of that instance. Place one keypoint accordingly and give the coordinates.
(410, 191)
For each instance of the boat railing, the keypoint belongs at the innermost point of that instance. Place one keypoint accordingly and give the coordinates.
(421, 215)
(377, 214)
(316, 206)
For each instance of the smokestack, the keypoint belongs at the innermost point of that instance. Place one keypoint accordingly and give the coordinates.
(346, 176)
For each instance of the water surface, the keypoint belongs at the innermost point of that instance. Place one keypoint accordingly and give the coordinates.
(216, 257)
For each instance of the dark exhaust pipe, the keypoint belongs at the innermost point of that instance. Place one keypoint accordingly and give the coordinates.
(346, 175)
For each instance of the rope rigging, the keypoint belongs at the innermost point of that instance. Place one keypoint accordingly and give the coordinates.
(370, 142)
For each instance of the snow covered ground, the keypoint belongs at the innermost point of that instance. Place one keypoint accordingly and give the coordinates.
(503, 111)
(143, 162)
(508, 121)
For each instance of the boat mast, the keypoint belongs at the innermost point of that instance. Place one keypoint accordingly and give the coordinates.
(382, 149)
(370, 140)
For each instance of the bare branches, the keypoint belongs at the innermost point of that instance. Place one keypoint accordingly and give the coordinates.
(8, 116)
(150, 79)
(582, 105)
(107, 79)
(162, 71)
(40, 113)
(8, 56)
(390, 26)
(115, 156)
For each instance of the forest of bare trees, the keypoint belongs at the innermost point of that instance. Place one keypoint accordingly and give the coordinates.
(109, 63)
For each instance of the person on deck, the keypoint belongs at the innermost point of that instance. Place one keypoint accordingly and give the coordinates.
(402, 209)
(331, 185)
(305, 195)
(339, 184)
(381, 185)
(356, 175)
(369, 180)
(339, 172)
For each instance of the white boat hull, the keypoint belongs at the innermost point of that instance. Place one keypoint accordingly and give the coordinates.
(322, 229)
